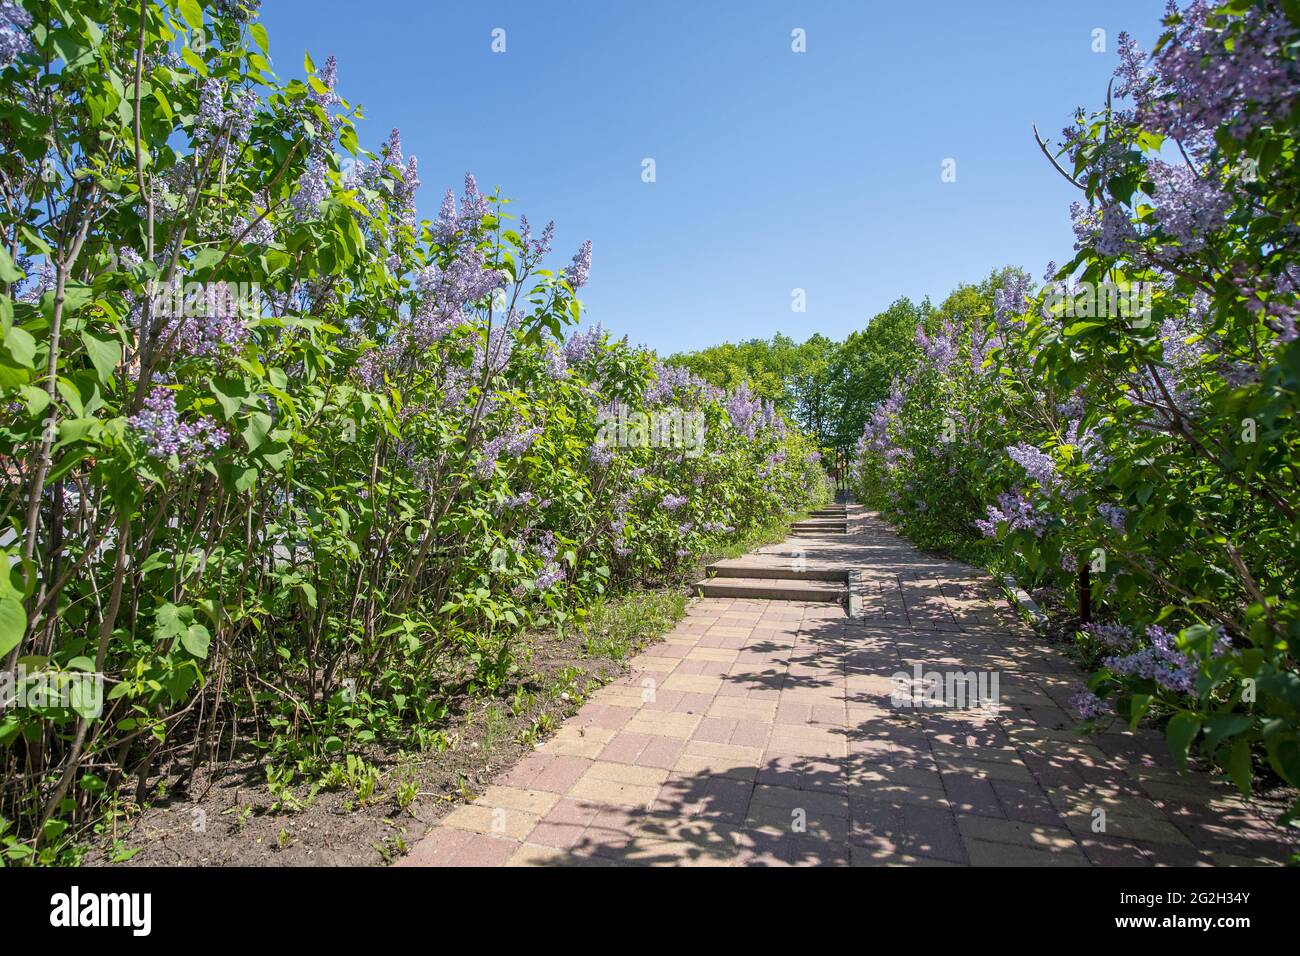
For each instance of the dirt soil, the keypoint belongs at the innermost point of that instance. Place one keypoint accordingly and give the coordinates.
(228, 818)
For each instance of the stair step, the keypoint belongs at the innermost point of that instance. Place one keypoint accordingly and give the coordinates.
(740, 568)
(773, 589)
(819, 527)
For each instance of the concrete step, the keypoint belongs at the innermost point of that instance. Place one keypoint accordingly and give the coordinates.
(819, 526)
(781, 570)
(773, 589)
(829, 513)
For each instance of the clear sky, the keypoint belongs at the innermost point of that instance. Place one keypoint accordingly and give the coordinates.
(774, 170)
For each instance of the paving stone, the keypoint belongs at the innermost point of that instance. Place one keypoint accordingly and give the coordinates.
(754, 715)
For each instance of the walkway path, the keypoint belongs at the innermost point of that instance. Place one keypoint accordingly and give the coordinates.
(762, 732)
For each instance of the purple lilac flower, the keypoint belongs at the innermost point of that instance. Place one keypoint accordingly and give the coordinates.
(1113, 515)
(1108, 229)
(1187, 205)
(1115, 637)
(212, 108)
(521, 441)
(455, 387)
(1204, 76)
(262, 233)
(941, 349)
(163, 434)
(312, 189)
(673, 502)
(487, 464)
(1037, 464)
(1018, 513)
(14, 23)
(513, 442)
(557, 366)
(539, 247)
(445, 226)
(741, 408)
(1012, 299)
(582, 345)
(370, 369)
(243, 111)
(1162, 662)
(329, 76)
(578, 271)
(207, 324)
(550, 575)
(474, 206)
(674, 382)
(600, 455)
(445, 294)
(1088, 705)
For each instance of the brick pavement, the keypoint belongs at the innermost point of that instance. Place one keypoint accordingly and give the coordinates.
(762, 732)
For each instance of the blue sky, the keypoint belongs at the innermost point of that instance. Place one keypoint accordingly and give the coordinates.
(774, 170)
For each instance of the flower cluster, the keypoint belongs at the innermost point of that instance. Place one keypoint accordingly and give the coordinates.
(160, 429)
(1161, 661)
(1017, 512)
(1089, 706)
(1238, 75)
(14, 23)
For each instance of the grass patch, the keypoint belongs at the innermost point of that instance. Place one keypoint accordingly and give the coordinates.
(618, 627)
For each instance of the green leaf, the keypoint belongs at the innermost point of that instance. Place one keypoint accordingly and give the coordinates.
(193, 13)
(1182, 730)
(1222, 726)
(37, 399)
(13, 623)
(172, 621)
(195, 61)
(8, 271)
(21, 346)
(276, 455)
(229, 393)
(197, 640)
(105, 354)
(1238, 765)
(255, 432)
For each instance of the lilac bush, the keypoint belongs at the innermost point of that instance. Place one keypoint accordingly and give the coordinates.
(1125, 434)
(320, 510)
